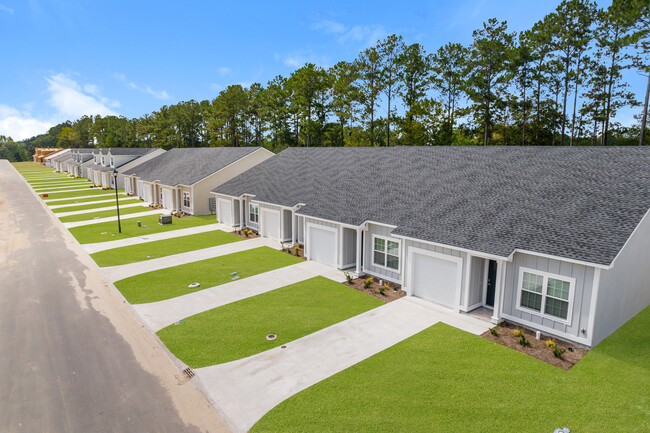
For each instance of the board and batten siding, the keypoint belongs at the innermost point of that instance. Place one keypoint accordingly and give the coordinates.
(286, 229)
(349, 250)
(369, 249)
(300, 229)
(624, 290)
(476, 281)
(579, 305)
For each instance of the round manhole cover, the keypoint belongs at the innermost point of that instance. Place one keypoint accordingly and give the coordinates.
(271, 337)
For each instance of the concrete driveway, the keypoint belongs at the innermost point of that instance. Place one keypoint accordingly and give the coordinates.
(164, 313)
(246, 389)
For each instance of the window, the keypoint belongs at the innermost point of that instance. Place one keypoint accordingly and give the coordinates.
(385, 253)
(544, 293)
(254, 213)
(186, 199)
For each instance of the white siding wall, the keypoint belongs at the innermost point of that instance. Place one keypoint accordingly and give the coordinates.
(625, 289)
(368, 251)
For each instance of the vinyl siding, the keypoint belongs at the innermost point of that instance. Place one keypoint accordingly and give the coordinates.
(476, 281)
(286, 215)
(368, 266)
(349, 249)
(584, 278)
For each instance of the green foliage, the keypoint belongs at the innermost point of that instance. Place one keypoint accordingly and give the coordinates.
(523, 341)
(368, 281)
(557, 352)
(348, 277)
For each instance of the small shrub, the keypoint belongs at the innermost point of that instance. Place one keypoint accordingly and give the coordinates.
(518, 333)
(382, 290)
(246, 232)
(495, 331)
(297, 248)
(557, 352)
(550, 343)
(348, 277)
(523, 341)
(367, 283)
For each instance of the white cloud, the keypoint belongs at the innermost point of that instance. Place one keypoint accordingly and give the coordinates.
(296, 60)
(70, 101)
(4, 8)
(224, 70)
(365, 35)
(20, 125)
(159, 94)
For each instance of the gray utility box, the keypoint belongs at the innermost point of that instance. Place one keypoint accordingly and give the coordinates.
(164, 219)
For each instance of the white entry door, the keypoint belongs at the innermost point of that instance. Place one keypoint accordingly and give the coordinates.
(435, 277)
(168, 199)
(271, 223)
(225, 211)
(321, 245)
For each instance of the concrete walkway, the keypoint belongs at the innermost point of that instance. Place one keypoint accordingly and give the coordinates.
(113, 218)
(246, 389)
(101, 246)
(164, 313)
(54, 200)
(98, 209)
(57, 206)
(116, 273)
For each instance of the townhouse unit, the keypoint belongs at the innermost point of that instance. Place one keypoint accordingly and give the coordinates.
(554, 239)
(107, 160)
(181, 179)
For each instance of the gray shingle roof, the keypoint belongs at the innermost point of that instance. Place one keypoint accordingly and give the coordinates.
(127, 150)
(580, 203)
(187, 166)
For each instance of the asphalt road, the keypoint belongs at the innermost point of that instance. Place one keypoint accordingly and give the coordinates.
(73, 356)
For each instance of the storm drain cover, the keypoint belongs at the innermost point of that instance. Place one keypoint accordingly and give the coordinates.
(234, 273)
(236, 277)
(188, 373)
(271, 337)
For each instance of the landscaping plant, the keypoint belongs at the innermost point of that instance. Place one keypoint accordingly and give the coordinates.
(557, 352)
(367, 283)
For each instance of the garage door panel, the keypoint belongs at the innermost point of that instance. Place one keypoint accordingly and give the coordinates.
(322, 246)
(225, 212)
(434, 279)
(270, 224)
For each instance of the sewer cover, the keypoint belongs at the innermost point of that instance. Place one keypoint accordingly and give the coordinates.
(236, 277)
(234, 273)
(271, 337)
(194, 285)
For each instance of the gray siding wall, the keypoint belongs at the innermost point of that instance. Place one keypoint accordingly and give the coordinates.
(476, 281)
(440, 250)
(368, 251)
(584, 276)
(349, 250)
(300, 226)
(247, 214)
(625, 289)
(286, 229)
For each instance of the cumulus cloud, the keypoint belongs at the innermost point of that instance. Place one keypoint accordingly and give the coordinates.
(20, 125)
(69, 99)
(158, 94)
(298, 60)
(72, 101)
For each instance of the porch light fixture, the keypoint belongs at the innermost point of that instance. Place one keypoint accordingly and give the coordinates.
(117, 202)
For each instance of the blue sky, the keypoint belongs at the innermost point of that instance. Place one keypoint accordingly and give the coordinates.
(65, 58)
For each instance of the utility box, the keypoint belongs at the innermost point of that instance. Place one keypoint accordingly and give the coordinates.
(164, 219)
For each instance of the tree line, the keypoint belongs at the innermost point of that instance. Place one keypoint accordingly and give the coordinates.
(557, 83)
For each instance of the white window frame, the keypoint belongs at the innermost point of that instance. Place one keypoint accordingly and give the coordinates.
(546, 276)
(187, 195)
(256, 207)
(399, 253)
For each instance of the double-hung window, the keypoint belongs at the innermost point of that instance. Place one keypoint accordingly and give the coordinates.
(385, 253)
(545, 294)
(254, 213)
(186, 199)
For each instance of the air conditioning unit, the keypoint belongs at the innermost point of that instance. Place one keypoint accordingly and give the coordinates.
(164, 219)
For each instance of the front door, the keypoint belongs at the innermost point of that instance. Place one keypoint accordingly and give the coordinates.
(491, 281)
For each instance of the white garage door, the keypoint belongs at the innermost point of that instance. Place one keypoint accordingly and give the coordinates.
(271, 224)
(225, 211)
(435, 278)
(168, 199)
(322, 245)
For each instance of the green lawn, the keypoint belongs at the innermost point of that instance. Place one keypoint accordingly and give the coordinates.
(80, 193)
(87, 199)
(30, 166)
(57, 188)
(171, 282)
(238, 330)
(104, 214)
(56, 183)
(446, 380)
(93, 233)
(96, 205)
(162, 248)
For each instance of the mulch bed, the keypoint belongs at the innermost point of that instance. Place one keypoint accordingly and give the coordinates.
(251, 234)
(538, 348)
(388, 296)
(292, 251)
